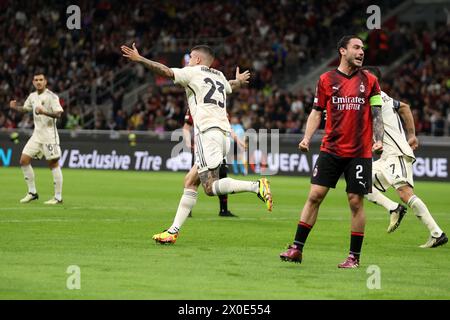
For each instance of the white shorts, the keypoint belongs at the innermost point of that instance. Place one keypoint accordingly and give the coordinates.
(211, 147)
(37, 150)
(395, 171)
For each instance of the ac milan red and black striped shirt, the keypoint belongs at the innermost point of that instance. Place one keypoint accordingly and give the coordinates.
(346, 98)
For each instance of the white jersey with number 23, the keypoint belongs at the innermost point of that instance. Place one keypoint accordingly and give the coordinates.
(206, 91)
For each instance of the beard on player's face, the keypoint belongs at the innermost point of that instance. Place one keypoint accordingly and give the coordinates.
(358, 60)
(40, 85)
(355, 60)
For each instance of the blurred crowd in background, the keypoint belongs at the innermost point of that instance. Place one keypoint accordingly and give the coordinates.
(274, 39)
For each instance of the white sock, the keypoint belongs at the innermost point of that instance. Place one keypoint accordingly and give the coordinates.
(228, 185)
(28, 173)
(421, 211)
(378, 198)
(187, 202)
(58, 182)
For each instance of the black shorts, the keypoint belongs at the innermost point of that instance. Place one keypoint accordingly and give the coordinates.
(357, 172)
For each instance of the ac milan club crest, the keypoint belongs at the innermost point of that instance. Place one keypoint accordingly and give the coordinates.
(315, 171)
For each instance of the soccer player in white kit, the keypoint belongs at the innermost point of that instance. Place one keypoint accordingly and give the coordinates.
(44, 141)
(206, 91)
(395, 168)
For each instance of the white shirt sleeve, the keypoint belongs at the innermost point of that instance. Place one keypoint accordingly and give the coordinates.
(27, 106)
(55, 105)
(183, 76)
(228, 88)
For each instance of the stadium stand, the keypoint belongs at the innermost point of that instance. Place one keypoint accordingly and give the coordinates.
(274, 39)
(423, 80)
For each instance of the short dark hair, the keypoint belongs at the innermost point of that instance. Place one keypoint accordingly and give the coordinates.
(39, 72)
(373, 70)
(205, 49)
(343, 42)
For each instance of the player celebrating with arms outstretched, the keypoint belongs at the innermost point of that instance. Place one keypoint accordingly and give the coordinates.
(45, 139)
(206, 91)
(351, 98)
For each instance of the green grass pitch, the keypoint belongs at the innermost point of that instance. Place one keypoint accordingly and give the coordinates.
(107, 220)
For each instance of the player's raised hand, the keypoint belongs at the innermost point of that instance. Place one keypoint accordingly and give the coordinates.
(413, 142)
(130, 53)
(377, 147)
(242, 77)
(304, 145)
(13, 104)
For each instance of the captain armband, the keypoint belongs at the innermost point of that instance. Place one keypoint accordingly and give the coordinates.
(376, 100)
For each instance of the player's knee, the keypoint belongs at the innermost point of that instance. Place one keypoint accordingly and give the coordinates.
(405, 193)
(315, 198)
(191, 185)
(208, 189)
(52, 164)
(355, 208)
(355, 202)
(24, 161)
(403, 197)
(187, 180)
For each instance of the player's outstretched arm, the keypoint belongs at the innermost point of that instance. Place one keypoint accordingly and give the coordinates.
(405, 113)
(241, 79)
(13, 105)
(155, 67)
(312, 124)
